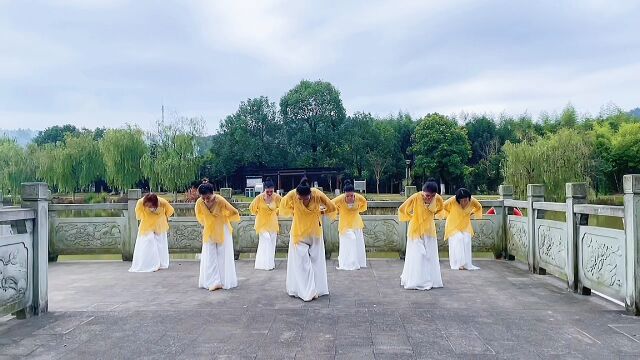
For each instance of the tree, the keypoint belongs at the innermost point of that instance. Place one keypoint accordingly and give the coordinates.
(625, 150)
(15, 168)
(361, 134)
(253, 131)
(385, 152)
(442, 148)
(55, 134)
(312, 114)
(122, 150)
(172, 157)
(83, 161)
(483, 137)
(553, 161)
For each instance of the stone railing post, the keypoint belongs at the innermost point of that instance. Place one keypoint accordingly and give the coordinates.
(631, 186)
(506, 193)
(576, 193)
(129, 241)
(535, 193)
(36, 196)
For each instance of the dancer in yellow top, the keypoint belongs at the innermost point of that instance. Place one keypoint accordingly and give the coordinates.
(458, 230)
(265, 208)
(306, 264)
(349, 206)
(215, 214)
(421, 263)
(151, 251)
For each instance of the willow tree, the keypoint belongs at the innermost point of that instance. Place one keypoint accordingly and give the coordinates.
(15, 168)
(122, 150)
(553, 161)
(172, 159)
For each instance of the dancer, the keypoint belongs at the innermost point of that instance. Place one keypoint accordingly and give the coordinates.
(217, 266)
(151, 251)
(265, 208)
(349, 206)
(422, 264)
(306, 264)
(458, 230)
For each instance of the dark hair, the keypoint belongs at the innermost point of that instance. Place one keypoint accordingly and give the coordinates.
(205, 189)
(303, 188)
(430, 186)
(462, 193)
(348, 187)
(268, 184)
(150, 198)
(204, 180)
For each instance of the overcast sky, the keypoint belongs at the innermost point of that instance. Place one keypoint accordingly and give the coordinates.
(111, 62)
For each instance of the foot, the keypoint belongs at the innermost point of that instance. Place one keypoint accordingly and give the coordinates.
(215, 287)
(461, 268)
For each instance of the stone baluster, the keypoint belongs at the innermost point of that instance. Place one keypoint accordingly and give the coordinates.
(631, 186)
(502, 216)
(576, 193)
(535, 193)
(129, 241)
(36, 196)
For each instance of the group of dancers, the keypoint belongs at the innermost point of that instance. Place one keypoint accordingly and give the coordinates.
(306, 265)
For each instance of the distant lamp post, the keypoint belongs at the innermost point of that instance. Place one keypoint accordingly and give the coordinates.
(408, 172)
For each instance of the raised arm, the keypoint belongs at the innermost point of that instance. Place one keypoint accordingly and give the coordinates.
(362, 203)
(476, 207)
(200, 210)
(229, 210)
(446, 207)
(436, 204)
(253, 207)
(405, 211)
(168, 209)
(324, 200)
(139, 210)
(286, 205)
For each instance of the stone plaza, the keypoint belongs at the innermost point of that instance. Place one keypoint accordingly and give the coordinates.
(97, 310)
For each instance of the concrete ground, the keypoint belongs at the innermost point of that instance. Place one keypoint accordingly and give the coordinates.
(100, 311)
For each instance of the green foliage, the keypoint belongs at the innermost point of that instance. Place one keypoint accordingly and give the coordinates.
(16, 167)
(442, 149)
(312, 115)
(553, 161)
(55, 134)
(122, 150)
(625, 150)
(482, 133)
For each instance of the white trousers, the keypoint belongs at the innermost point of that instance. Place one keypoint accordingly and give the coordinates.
(421, 264)
(307, 269)
(217, 264)
(460, 252)
(150, 253)
(352, 254)
(265, 255)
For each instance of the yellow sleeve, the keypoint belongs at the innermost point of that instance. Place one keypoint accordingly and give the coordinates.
(362, 203)
(286, 205)
(139, 210)
(405, 210)
(278, 200)
(336, 202)
(324, 200)
(253, 207)
(230, 211)
(200, 209)
(168, 209)
(477, 208)
(446, 207)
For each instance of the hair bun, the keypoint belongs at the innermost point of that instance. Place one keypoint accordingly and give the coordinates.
(431, 180)
(268, 179)
(347, 182)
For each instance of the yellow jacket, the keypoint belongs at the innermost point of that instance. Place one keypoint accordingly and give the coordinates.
(307, 221)
(349, 218)
(420, 217)
(459, 219)
(266, 215)
(215, 219)
(156, 222)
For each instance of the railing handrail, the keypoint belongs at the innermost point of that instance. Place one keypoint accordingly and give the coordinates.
(550, 206)
(12, 214)
(603, 210)
(87, 207)
(516, 203)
